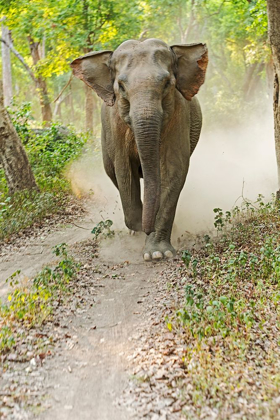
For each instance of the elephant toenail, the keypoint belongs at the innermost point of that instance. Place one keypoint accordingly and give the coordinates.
(147, 256)
(168, 254)
(157, 255)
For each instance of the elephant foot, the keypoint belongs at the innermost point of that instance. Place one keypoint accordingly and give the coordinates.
(134, 226)
(157, 250)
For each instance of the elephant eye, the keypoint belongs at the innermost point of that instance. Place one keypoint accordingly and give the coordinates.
(167, 84)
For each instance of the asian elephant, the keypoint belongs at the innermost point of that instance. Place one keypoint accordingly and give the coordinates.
(149, 129)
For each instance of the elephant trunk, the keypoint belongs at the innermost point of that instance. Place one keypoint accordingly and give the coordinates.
(146, 122)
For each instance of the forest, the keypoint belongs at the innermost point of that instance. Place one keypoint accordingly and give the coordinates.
(47, 36)
(190, 337)
(40, 39)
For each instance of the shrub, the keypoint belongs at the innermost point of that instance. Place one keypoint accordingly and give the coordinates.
(50, 150)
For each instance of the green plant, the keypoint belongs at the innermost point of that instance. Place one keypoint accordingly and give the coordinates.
(104, 229)
(221, 219)
(186, 258)
(31, 304)
(21, 117)
(228, 268)
(7, 340)
(50, 150)
(25, 208)
(230, 318)
(207, 315)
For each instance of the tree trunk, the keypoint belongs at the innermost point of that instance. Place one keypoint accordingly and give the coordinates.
(89, 108)
(46, 110)
(273, 9)
(89, 100)
(6, 67)
(41, 84)
(13, 158)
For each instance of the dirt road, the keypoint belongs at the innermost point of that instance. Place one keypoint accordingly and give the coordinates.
(88, 371)
(86, 381)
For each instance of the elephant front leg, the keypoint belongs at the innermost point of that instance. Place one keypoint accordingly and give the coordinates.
(158, 243)
(129, 187)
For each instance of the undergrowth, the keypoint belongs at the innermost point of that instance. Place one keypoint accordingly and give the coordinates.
(103, 228)
(25, 208)
(230, 320)
(50, 150)
(29, 304)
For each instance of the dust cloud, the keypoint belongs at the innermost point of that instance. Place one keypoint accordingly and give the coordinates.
(225, 163)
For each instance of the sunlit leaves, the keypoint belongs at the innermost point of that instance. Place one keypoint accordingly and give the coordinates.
(69, 28)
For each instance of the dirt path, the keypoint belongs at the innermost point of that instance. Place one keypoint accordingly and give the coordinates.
(88, 371)
(86, 381)
(36, 252)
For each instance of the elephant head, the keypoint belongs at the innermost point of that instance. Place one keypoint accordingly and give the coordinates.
(141, 78)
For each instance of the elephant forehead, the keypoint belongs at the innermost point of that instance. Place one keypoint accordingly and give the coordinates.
(133, 44)
(134, 53)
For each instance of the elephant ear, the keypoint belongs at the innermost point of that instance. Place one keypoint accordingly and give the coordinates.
(93, 68)
(192, 62)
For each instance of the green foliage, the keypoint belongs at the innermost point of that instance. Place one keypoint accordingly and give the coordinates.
(66, 28)
(25, 208)
(21, 117)
(103, 229)
(49, 153)
(236, 36)
(208, 317)
(229, 317)
(241, 259)
(49, 150)
(221, 219)
(29, 305)
(63, 31)
(235, 32)
(186, 258)
(7, 340)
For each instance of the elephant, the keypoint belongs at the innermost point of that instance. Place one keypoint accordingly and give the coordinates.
(151, 124)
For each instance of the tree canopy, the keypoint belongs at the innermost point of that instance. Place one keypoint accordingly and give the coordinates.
(234, 30)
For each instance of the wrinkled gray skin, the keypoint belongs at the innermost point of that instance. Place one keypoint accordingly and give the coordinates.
(149, 129)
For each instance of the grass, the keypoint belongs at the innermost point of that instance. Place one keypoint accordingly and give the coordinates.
(230, 320)
(30, 305)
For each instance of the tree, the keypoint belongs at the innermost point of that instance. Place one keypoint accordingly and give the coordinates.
(236, 36)
(273, 9)
(24, 26)
(52, 33)
(6, 67)
(92, 25)
(13, 157)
